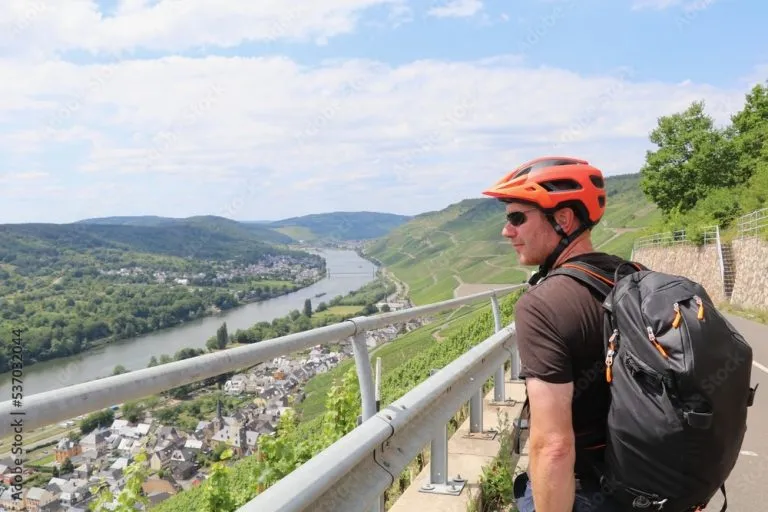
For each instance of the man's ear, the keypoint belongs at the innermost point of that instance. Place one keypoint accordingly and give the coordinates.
(567, 219)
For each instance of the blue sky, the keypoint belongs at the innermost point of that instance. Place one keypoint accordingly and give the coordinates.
(264, 110)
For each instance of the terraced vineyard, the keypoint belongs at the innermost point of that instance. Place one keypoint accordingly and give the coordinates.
(459, 249)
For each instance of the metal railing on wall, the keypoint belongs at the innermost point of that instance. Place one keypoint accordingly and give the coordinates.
(373, 452)
(753, 224)
(707, 236)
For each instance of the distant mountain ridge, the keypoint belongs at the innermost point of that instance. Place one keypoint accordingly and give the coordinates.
(341, 226)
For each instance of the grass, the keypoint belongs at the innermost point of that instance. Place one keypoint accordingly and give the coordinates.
(297, 232)
(273, 283)
(337, 310)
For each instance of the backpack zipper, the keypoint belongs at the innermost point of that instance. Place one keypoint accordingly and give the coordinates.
(679, 316)
(656, 344)
(609, 356)
(700, 303)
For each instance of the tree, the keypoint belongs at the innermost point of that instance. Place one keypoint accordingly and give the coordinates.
(67, 467)
(152, 362)
(222, 336)
(693, 158)
(132, 411)
(308, 308)
(750, 126)
(119, 369)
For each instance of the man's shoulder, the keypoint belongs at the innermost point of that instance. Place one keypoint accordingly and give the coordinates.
(554, 290)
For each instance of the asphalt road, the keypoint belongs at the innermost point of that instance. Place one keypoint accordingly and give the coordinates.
(747, 487)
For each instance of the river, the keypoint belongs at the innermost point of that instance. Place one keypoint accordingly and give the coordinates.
(348, 272)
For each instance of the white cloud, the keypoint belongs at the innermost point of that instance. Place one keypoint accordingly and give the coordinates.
(254, 138)
(172, 25)
(456, 9)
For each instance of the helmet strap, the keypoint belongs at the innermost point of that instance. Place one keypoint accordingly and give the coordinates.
(565, 241)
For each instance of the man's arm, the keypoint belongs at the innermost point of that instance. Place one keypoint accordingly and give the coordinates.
(551, 442)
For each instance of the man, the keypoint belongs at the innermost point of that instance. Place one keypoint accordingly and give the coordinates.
(552, 203)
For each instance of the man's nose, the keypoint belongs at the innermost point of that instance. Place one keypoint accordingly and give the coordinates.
(508, 230)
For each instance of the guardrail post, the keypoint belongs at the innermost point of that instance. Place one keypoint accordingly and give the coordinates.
(439, 483)
(364, 377)
(378, 384)
(498, 378)
(476, 411)
(515, 369)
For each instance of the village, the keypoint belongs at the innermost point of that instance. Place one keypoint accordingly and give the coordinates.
(177, 457)
(287, 268)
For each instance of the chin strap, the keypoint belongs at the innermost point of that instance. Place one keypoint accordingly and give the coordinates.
(565, 241)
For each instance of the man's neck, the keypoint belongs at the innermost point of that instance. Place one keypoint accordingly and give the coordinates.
(582, 245)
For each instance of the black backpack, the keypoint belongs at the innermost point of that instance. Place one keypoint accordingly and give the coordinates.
(679, 376)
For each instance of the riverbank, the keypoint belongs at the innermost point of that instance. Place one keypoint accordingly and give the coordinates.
(211, 311)
(348, 272)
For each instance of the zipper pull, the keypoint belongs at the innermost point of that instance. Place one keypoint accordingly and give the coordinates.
(700, 314)
(678, 316)
(609, 356)
(656, 344)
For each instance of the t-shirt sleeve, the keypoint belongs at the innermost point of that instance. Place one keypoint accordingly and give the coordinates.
(544, 353)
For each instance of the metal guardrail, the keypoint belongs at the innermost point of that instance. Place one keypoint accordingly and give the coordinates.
(659, 239)
(353, 473)
(53, 406)
(753, 224)
(709, 236)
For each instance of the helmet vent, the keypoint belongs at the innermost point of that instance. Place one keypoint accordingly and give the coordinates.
(565, 184)
(597, 181)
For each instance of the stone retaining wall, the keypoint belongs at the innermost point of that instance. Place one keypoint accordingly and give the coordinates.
(750, 287)
(697, 263)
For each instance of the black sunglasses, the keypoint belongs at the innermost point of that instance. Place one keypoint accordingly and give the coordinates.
(518, 218)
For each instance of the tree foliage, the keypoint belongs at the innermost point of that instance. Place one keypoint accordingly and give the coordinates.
(703, 175)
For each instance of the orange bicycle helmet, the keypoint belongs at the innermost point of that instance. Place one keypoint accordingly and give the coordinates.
(550, 183)
(553, 182)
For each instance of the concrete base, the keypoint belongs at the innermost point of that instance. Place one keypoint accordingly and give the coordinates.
(467, 454)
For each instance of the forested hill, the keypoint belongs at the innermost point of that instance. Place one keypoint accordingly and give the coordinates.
(72, 286)
(333, 226)
(39, 246)
(340, 225)
(212, 223)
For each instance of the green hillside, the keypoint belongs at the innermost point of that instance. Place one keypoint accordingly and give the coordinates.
(36, 246)
(340, 225)
(437, 251)
(212, 223)
(333, 226)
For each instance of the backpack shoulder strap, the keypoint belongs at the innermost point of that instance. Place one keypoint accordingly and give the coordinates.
(595, 278)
